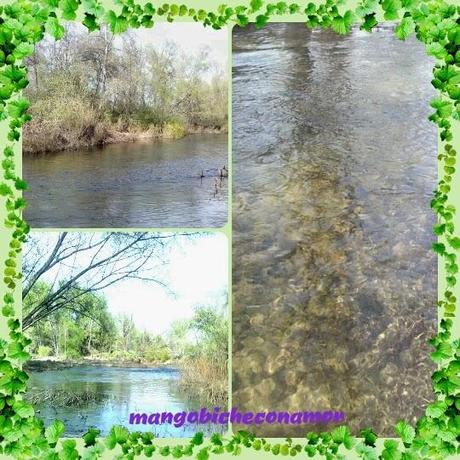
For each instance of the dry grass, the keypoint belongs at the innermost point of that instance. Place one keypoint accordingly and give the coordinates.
(205, 380)
(62, 398)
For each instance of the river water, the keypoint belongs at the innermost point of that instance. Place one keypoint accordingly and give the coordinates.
(333, 278)
(117, 392)
(138, 185)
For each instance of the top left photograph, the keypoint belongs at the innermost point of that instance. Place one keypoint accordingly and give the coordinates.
(129, 130)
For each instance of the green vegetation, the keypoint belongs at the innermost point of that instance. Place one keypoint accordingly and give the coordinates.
(86, 331)
(23, 435)
(94, 89)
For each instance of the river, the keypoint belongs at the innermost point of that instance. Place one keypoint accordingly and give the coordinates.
(114, 393)
(132, 185)
(334, 282)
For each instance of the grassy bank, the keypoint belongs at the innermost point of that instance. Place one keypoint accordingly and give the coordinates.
(41, 136)
(51, 363)
(92, 89)
(205, 380)
(201, 379)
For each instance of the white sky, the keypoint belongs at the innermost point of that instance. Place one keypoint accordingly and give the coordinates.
(197, 274)
(196, 271)
(189, 36)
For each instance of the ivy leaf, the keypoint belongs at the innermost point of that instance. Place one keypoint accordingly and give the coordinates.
(256, 5)
(54, 432)
(23, 50)
(390, 451)
(367, 8)
(405, 431)
(118, 24)
(18, 107)
(405, 28)
(203, 454)
(439, 229)
(443, 107)
(455, 242)
(369, 22)
(340, 433)
(120, 434)
(69, 450)
(5, 189)
(110, 440)
(23, 409)
(20, 184)
(443, 351)
(51, 3)
(310, 9)
(242, 19)
(197, 439)
(16, 351)
(149, 9)
(366, 452)
(437, 50)
(93, 7)
(216, 439)
(435, 410)
(55, 29)
(69, 9)
(391, 7)
(90, 22)
(6, 91)
(174, 10)
(164, 451)
(342, 25)
(369, 437)
(261, 20)
(439, 248)
(408, 4)
(90, 436)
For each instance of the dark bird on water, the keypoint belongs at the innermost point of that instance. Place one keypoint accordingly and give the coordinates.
(223, 172)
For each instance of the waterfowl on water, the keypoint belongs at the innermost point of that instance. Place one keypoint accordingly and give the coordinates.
(223, 172)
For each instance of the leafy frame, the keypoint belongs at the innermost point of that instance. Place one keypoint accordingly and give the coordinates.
(434, 22)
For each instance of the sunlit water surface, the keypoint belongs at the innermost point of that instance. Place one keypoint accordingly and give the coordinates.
(148, 184)
(334, 281)
(118, 392)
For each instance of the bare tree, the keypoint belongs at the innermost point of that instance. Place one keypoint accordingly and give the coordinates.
(77, 263)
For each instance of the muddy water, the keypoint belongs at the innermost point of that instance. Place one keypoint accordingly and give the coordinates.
(334, 282)
(154, 184)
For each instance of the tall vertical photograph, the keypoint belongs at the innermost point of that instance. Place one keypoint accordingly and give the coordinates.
(334, 280)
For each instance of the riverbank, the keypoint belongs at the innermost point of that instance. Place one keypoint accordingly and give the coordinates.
(205, 380)
(49, 137)
(199, 379)
(51, 363)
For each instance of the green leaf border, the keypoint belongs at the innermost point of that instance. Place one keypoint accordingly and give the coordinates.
(435, 23)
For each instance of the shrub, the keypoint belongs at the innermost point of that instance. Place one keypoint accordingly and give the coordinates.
(43, 351)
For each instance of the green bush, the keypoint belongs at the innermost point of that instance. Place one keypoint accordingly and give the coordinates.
(158, 355)
(43, 351)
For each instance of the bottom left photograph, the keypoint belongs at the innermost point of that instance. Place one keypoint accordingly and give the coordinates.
(127, 329)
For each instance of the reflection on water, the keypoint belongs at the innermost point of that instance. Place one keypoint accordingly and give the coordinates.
(117, 393)
(130, 185)
(334, 281)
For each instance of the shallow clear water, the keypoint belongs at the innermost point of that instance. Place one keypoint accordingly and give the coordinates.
(154, 184)
(333, 278)
(121, 391)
